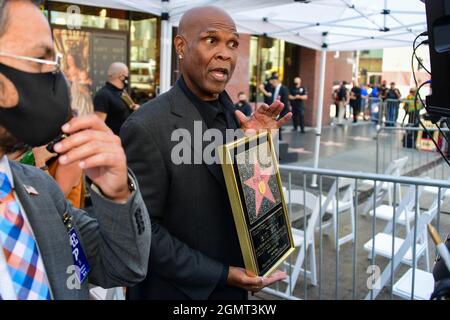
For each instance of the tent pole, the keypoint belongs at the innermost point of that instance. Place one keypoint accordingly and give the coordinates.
(166, 49)
(323, 59)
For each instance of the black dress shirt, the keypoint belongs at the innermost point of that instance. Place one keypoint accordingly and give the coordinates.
(216, 115)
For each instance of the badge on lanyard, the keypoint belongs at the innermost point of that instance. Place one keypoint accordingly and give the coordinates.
(79, 258)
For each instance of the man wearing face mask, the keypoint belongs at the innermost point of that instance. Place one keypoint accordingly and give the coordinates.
(243, 105)
(48, 249)
(109, 103)
(297, 97)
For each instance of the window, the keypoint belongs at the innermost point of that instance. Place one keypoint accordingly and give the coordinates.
(266, 57)
(112, 35)
(144, 53)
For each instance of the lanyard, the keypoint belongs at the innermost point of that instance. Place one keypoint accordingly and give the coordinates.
(80, 262)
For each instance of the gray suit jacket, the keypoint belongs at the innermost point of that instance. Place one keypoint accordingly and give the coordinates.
(194, 238)
(116, 240)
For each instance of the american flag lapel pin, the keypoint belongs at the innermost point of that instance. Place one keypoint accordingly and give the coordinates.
(30, 190)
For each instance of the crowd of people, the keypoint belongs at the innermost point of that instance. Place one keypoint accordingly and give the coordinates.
(373, 102)
(364, 102)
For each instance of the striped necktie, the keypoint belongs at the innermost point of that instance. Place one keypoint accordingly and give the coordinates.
(24, 264)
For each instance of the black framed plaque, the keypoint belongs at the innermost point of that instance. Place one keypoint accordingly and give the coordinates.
(254, 187)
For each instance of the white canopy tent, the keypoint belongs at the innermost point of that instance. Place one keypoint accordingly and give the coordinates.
(349, 24)
(177, 7)
(332, 25)
(174, 10)
(325, 25)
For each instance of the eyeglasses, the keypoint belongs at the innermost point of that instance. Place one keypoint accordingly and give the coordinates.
(56, 63)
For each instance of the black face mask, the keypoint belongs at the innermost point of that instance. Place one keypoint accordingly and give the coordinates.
(44, 106)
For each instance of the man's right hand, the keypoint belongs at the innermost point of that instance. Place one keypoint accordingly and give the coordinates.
(95, 148)
(238, 277)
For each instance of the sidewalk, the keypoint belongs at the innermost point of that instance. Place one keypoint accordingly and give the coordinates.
(353, 147)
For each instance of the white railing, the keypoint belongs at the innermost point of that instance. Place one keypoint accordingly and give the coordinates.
(341, 261)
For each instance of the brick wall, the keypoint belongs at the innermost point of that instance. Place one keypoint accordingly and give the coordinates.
(309, 71)
(336, 69)
(241, 76)
(339, 69)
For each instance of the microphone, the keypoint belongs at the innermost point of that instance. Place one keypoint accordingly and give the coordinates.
(441, 270)
(51, 146)
(440, 246)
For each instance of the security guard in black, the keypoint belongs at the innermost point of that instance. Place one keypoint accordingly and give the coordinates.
(108, 100)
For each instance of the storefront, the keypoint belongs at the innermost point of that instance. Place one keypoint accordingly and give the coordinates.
(107, 35)
(266, 57)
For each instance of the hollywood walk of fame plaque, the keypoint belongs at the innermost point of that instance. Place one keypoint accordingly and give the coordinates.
(256, 195)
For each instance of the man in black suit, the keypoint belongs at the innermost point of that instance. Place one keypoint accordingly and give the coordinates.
(266, 88)
(281, 93)
(195, 251)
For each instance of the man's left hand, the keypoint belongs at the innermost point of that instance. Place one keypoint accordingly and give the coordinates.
(99, 153)
(239, 277)
(264, 117)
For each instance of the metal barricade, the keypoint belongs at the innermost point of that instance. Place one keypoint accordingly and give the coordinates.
(384, 112)
(354, 269)
(412, 142)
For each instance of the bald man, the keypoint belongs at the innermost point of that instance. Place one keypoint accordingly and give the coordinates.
(195, 252)
(108, 104)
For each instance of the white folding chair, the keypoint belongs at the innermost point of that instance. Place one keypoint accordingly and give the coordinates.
(423, 280)
(404, 216)
(383, 247)
(434, 191)
(304, 241)
(383, 240)
(400, 252)
(404, 247)
(384, 189)
(423, 285)
(340, 206)
(404, 211)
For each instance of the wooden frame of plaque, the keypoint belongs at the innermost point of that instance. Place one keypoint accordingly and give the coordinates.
(260, 214)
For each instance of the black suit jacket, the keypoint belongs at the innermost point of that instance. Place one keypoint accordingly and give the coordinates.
(193, 232)
(284, 97)
(115, 237)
